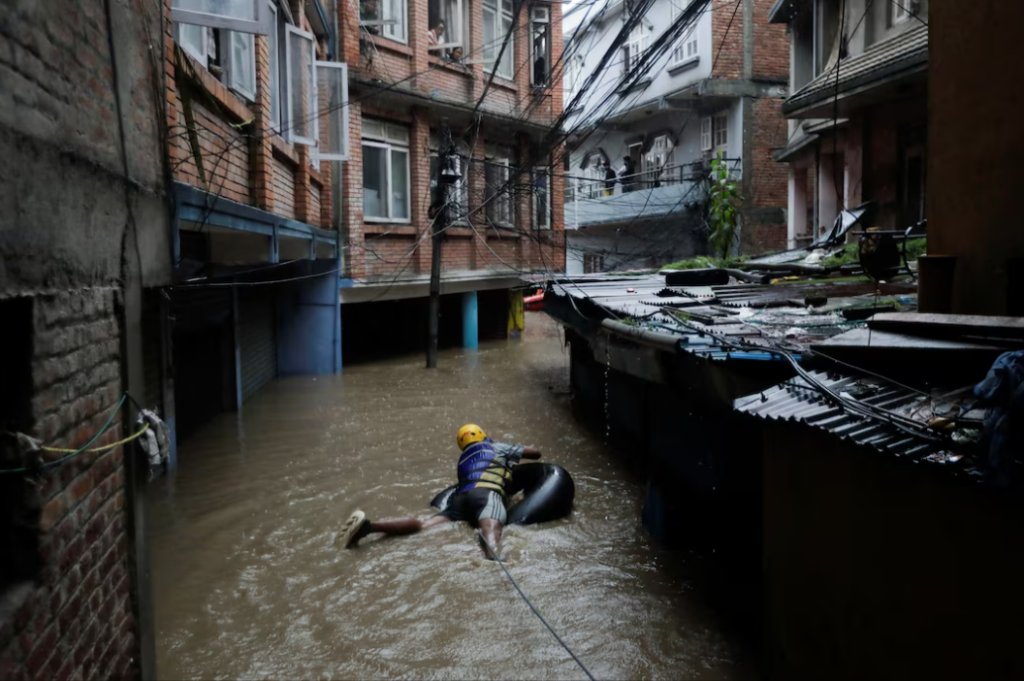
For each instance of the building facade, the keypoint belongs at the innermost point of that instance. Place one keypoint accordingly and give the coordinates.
(687, 80)
(427, 76)
(857, 112)
(84, 243)
(255, 107)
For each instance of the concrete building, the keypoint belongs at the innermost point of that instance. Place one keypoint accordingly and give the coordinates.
(84, 246)
(482, 72)
(255, 104)
(857, 112)
(715, 89)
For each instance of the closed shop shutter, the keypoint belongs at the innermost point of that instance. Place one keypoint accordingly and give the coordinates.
(257, 347)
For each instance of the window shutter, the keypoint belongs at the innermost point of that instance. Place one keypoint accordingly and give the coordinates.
(332, 112)
(300, 53)
(705, 134)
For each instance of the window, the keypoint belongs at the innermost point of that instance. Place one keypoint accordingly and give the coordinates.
(332, 111)
(446, 28)
(274, 66)
(635, 47)
(385, 171)
(384, 17)
(229, 55)
(497, 25)
(541, 198)
(498, 195)
(240, 63)
(685, 49)
(300, 51)
(245, 16)
(540, 45)
(706, 143)
(656, 160)
(720, 130)
(901, 10)
(593, 262)
(459, 196)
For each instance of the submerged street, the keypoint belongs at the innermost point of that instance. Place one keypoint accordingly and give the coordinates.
(248, 582)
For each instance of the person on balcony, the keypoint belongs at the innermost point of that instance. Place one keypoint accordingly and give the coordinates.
(627, 175)
(609, 179)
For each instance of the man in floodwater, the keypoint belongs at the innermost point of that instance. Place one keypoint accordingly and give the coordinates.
(484, 470)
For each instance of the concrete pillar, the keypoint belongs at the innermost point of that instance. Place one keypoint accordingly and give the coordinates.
(309, 327)
(828, 198)
(797, 206)
(470, 321)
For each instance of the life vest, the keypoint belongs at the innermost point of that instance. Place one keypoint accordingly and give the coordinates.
(480, 466)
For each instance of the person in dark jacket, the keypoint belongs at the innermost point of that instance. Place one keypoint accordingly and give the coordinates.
(627, 176)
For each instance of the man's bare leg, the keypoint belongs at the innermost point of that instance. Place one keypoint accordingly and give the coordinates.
(358, 526)
(490, 533)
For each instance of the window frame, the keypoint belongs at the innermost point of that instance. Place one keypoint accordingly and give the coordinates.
(540, 16)
(537, 225)
(499, 16)
(395, 27)
(706, 139)
(686, 49)
(899, 12)
(389, 144)
(343, 119)
(635, 47)
(232, 69)
(720, 127)
(503, 206)
(457, 37)
(291, 135)
(256, 25)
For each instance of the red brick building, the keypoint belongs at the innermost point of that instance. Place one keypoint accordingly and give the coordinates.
(409, 85)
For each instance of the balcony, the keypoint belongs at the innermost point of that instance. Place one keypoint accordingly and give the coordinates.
(648, 194)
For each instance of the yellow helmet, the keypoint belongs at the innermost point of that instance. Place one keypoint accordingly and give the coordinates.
(469, 434)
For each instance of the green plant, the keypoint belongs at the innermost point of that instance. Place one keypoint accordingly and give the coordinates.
(723, 207)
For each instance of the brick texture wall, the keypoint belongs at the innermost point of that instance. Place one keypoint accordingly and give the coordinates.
(243, 158)
(764, 226)
(426, 80)
(75, 620)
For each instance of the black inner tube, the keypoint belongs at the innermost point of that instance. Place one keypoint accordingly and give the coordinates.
(548, 493)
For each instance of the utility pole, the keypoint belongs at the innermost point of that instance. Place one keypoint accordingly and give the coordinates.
(440, 218)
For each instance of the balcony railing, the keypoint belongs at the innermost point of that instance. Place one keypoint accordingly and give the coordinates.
(650, 193)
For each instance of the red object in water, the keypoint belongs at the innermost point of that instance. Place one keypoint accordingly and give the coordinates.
(534, 302)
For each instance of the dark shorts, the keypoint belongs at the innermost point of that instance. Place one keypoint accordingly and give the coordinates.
(476, 505)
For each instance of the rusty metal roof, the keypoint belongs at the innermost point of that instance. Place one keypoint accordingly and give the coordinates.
(799, 401)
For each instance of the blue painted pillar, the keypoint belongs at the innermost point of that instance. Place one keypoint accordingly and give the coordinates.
(470, 331)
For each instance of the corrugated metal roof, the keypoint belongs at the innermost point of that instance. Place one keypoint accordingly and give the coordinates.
(902, 53)
(798, 401)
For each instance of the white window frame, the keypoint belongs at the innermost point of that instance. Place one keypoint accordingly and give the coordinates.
(574, 71)
(453, 33)
(540, 16)
(686, 48)
(635, 47)
(235, 69)
(393, 22)
(720, 131)
(310, 139)
(901, 11)
(389, 142)
(337, 106)
(500, 210)
(254, 22)
(200, 53)
(546, 224)
(705, 134)
(501, 21)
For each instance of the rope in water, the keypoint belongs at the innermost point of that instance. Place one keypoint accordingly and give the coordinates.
(497, 559)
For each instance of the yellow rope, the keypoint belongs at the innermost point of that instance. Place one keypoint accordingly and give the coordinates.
(104, 448)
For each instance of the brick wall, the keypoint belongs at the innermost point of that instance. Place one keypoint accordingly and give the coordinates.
(244, 159)
(764, 225)
(75, 619)
(423, 78)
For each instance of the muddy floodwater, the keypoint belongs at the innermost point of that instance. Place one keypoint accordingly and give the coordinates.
(248, 582)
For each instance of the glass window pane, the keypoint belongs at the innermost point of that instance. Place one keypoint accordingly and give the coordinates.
(243, 63)
(399, 184)
(374, 182)
(235, 9)
(332, 110)
(301, 86)
(275, 76)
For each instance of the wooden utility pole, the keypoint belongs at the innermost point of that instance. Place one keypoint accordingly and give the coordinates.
(440, 218)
